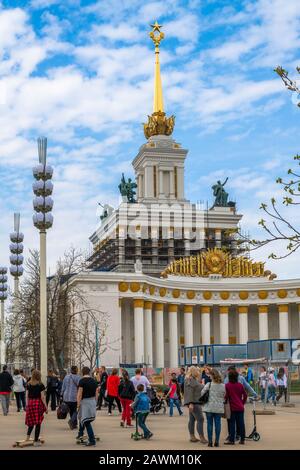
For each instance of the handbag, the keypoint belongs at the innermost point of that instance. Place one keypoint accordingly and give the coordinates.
(227, 410)
(62, 411)
(205, 397)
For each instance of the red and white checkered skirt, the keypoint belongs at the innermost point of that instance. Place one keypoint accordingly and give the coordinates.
(35, 410)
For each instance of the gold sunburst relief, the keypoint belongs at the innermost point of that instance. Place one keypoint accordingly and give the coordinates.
(217, 261)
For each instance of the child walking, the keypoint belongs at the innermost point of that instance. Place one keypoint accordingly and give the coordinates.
(141, 407)
(174, 395)
(36, 406)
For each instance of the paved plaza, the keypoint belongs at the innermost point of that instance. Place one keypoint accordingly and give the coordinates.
(279, 431)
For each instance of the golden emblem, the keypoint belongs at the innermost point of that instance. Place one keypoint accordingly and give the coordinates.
(215, 261)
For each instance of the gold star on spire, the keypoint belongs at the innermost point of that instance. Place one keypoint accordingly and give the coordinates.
(156, 26)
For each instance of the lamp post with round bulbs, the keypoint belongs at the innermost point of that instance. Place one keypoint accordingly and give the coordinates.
(3, 297)
(16, 270)
(43, 220)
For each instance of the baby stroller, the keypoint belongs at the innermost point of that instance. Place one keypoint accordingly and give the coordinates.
(156, 402)
(254, 434)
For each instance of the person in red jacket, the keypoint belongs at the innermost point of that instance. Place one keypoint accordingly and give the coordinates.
(237, 397)
(112, 388)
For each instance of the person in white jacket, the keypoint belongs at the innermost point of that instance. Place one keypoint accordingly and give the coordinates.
(281, 383)
(19, 390)
(214, 407)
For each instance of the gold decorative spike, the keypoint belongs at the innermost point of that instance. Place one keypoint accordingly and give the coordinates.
(217, 261)
(158, 123)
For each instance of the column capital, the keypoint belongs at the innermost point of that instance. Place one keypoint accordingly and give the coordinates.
(148, 304)
(158, 306)
(262, 308)
(138, 303)
(283, 308)
(243, 308)
(223, 309)
(172, 308)
(188, 309)
(205, 309)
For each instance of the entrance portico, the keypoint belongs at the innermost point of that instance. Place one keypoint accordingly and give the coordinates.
(157, 315)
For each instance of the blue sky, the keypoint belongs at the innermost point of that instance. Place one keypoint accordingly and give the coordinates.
(81, 73)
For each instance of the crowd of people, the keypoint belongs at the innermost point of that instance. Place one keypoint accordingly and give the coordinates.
(201, 392)
(274, 382)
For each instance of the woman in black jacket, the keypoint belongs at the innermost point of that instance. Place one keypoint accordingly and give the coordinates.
(126, 394)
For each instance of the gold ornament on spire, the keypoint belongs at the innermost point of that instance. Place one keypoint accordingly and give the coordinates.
(158, 123)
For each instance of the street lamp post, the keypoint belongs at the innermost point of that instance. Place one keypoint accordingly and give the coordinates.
(43, 220)
(3, 297)
(97, 345)
(16, 270)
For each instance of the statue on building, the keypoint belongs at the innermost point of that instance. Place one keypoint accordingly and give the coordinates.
(127, 188)
(138, 266)
(107, 211)
(221, 196)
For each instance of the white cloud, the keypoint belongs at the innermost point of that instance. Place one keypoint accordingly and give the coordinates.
(39, 4)
(272, 33)
(185, 28)
(120, 32)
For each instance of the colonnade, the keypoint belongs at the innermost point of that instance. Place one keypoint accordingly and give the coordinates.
(144, 342)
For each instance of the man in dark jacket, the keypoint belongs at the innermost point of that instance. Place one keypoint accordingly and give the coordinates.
(51, 392)
(6, 382)
(102, 388)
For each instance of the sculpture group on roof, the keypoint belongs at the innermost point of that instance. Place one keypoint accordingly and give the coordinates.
(127, 188)
(221, 196)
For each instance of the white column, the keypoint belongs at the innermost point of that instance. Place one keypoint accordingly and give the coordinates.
(205, 324)
(243, 324)
(161, 183)
(172, 186)
(283, 321)
(159, 335)
(202, 238)
(218, 237)
(224, 329)
(140, 186)
(138, 305)
(180, 183)
(173, 335)
(263, 322)
(148, 182)
(188, 325)
(148, 333)
(298, 335)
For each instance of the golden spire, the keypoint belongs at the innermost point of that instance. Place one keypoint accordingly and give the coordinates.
(158, 103)
(158, 123)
